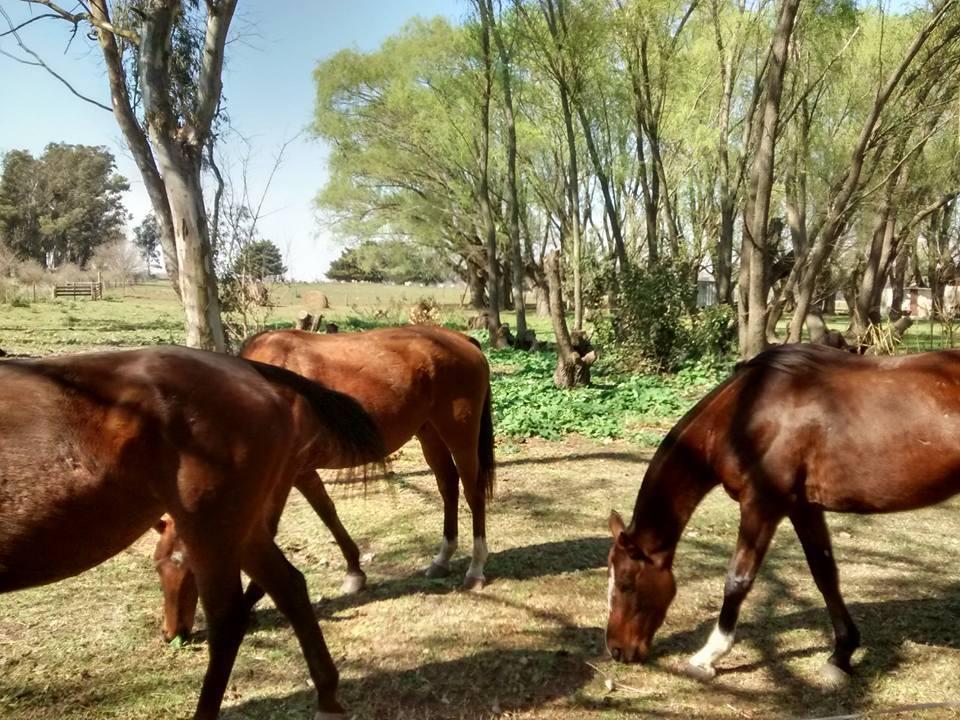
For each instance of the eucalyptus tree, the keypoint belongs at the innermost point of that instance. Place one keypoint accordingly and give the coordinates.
(163, 62)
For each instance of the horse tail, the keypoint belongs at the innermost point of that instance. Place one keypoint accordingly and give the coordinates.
(487, 464)
(352, 430)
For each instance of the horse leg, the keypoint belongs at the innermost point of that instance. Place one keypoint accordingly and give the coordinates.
(254, 593)
(314, 491)
(811, 527)
(757, 527)
(266, 564)
(221, 594)
(438, 457)
(468, 464)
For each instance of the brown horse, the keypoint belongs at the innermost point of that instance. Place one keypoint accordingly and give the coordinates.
(421, 381)
(95, 447)
(797, 430)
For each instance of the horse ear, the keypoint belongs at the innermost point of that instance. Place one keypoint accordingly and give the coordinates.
(615, 523)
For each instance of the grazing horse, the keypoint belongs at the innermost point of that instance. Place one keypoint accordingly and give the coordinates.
(419, 380)
(95, 447)
(796, 431)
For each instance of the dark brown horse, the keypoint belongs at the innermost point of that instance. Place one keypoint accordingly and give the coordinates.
(421, 381)
(95, 447)
(797, 430)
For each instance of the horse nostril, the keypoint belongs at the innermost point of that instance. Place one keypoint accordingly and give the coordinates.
(615, 653)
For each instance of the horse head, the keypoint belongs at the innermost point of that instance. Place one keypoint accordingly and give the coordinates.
(178, 583)
(641, 588)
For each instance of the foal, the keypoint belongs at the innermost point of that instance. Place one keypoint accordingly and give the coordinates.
(95, 447)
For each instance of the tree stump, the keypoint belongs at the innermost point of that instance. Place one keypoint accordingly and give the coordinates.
(304, 320)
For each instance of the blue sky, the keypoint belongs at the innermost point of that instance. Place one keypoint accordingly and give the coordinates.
(268, 83)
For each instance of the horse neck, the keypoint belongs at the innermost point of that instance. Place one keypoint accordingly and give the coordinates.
(677, 480)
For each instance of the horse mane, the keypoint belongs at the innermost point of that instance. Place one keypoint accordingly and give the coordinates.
(797, 358)
(350, 427)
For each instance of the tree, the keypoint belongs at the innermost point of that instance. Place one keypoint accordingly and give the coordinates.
(163, 61)
(755, 256)
(146, 238)
(259, 259)
(392, 260)
(60, 207)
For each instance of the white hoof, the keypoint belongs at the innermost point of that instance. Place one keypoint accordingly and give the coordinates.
(703, 673)
(352, 584)
(471, 582)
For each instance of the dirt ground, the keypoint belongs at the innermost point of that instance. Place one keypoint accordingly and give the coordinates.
(530, 645)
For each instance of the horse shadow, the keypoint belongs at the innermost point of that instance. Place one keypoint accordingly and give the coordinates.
(479, 686)
(886, 626)
(517, 563)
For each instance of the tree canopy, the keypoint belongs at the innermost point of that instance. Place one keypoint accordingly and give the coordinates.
(393, 261)
(259, 259)
(60, 207)
(791, 150)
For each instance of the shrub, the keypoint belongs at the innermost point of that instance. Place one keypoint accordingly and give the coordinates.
(649, 327)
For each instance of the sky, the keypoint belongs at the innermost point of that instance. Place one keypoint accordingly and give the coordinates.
(268, 84)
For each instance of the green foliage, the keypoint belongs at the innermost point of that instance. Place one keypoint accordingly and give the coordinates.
(649, 326)
(60, 207)
(146, 238)
(394, 261)
(259, 259)
(526, 403)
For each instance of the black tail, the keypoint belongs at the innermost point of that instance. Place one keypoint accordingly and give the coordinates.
(356, 436)
(488, 464)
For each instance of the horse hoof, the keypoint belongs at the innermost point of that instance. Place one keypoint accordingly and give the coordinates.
(699, 672)
(352, 584)
(330, 716)
(834, 678)
(437, 571)
(474, 583)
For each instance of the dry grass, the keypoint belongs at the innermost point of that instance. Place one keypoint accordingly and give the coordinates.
(531, 644)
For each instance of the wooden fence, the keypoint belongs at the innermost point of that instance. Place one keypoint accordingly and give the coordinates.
(92, 290)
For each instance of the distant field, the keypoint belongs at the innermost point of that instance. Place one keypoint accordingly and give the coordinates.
(148, 314)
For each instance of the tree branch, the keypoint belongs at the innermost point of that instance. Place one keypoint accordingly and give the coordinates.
(77, 18)
(38, 62)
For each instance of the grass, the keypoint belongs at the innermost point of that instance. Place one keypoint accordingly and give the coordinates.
(531, 644)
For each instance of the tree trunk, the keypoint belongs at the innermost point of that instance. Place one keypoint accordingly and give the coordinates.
(572, 369)
(762, 180)
(198, 281)
(516, 252)
(486, 210)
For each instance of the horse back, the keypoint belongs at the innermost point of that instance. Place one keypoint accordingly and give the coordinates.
(844, 432)
(403, 377)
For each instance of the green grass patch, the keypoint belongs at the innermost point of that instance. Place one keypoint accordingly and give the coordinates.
(527, 404)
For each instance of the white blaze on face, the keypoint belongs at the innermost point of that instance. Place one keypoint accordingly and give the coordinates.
(610, 583)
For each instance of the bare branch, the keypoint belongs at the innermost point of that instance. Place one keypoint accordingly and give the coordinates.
(77, 18)
(38, 62)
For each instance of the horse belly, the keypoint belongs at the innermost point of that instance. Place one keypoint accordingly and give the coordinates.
(887, 483)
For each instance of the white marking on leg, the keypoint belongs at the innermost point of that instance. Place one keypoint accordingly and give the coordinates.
(447, 549)
(718, 645)
(479, 558)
